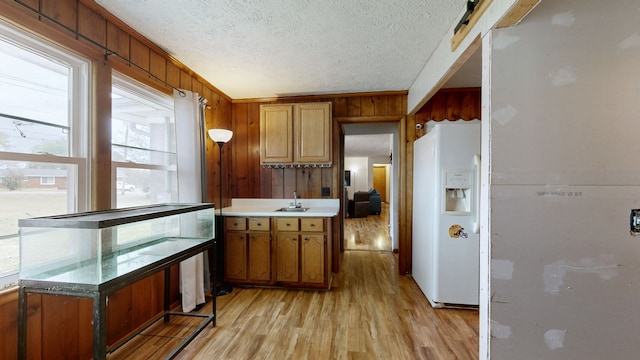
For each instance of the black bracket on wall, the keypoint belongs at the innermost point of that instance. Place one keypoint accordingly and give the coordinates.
(471, 6)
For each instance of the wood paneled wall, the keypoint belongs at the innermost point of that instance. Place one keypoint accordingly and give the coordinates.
(451, 104)
(60, 327)
(250, 180)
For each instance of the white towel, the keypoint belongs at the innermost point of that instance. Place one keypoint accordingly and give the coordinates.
(192, 282)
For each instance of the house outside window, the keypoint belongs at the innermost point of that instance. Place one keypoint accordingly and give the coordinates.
(43, 130)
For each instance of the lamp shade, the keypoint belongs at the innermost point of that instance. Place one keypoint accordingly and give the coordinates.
(220, 135)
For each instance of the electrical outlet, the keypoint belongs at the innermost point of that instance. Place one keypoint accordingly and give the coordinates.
(325, 191)
(634, 222)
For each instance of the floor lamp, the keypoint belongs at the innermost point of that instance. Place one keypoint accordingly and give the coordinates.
(220, 137)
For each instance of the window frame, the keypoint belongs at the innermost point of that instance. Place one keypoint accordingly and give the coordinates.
(78, 115)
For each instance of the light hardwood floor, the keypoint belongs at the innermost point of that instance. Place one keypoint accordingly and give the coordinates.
(370, 313)
(368, 233)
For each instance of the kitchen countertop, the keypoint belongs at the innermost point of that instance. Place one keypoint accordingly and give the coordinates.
(267, 207)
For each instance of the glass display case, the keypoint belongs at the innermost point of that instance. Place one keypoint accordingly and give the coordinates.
(94, 254)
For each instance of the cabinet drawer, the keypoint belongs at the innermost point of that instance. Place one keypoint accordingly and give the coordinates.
(259, 224)
(287, 224)
(312, 224)
(235, 223)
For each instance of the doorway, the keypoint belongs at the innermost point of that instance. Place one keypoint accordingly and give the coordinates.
(367, 157)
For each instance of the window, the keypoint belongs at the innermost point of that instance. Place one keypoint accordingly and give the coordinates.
(143, 145)
(47, 180)
(43, 135)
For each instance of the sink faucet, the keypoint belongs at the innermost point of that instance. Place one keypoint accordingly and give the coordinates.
(295, 199)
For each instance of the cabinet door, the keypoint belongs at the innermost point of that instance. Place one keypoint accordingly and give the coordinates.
(235, 256)
(259, 257)
(312, 128)
(287, 257)
(313, 258)
(276, 134)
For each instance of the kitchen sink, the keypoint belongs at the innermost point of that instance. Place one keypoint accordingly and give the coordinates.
(293, 209)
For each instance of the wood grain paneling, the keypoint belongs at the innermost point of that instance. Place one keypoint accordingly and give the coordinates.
(118, 42)
(241, 179)
(9, 320)
(101, 136)
(35, 326)
(340, 106)
(397, 105)
(353, 106)
(451, 104)
(197, 86)
(147, 298)
(92, 25)
(368, 106)
(63, 11)
(119, 313)
(34, 4)
(158, 66)
(62, 341)
(185, 80)
(139, 54)
(173, 75)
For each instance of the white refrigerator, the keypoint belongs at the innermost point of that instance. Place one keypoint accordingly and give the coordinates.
(445, 260)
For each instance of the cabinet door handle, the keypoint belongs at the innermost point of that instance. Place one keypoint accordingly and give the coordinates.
(313, 225)
(259, 224)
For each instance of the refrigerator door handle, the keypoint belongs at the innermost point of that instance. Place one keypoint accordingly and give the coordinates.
(476, 223)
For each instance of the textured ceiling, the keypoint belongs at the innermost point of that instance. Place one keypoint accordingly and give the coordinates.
(266, 48)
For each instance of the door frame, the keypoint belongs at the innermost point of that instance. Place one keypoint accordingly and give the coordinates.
(402, 204)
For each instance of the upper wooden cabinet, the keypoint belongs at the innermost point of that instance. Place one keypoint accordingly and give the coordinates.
(276, 134)
(295, 134)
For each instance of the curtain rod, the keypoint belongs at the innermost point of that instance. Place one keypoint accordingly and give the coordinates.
(108, 51)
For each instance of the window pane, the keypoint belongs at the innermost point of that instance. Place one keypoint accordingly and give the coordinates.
(143, 146)
(23, 196)
(34, 102)
(135, 187)
(143, 131)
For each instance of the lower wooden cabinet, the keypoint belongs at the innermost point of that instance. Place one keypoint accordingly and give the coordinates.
(260, 257)
(287, 250)
(299, 256)
(235, 251)
(248, 251)
(302, 254)
(312, 258)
